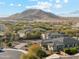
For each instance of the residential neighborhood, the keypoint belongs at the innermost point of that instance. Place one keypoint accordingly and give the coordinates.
(39, 29)
(54, 41)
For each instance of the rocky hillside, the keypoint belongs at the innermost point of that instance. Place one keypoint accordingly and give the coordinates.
(33, 14)
(37, 14)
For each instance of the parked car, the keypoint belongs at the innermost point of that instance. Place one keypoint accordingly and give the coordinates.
(1, 49)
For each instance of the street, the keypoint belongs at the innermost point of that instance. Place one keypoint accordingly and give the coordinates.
(11, 54)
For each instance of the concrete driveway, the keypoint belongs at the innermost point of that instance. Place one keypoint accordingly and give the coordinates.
(11, 54)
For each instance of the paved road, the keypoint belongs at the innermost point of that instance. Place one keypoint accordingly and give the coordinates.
(11, 54)
(19, 50)
(20, 45)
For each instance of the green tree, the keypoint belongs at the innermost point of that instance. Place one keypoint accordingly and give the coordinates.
(28, 56)
(35, 52)
(71, 51)
(41, 54)
(9, 44)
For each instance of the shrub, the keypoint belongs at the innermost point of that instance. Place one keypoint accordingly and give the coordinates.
(34, 35)
(41, 54)
(28, 56)
(9, 44)
(71, 51)
(35, 49)
(35, 52)
(31, 56)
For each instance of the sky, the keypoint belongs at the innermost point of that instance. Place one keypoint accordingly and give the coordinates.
(58, 7)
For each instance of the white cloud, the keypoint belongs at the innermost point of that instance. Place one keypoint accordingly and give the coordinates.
(33, 0)
(41, 5)
(19, 5)
(41, 0)
(50, 0)
(11, 4)
(58, 1)
(16, 5)
(58, 5)
(66, 1)
(44, 5)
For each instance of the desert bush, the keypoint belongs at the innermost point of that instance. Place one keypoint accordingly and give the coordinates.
(71, 51)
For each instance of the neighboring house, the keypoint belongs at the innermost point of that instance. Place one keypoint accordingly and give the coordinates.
(58, 41)
(75, 26)
(23, 33)
(2, 27)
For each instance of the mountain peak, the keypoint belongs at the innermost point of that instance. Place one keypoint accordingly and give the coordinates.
(33, 14)
(33, 10)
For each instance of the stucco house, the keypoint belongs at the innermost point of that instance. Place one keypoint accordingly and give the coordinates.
(58, 41)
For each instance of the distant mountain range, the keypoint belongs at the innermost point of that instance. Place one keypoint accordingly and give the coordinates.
(37, 14)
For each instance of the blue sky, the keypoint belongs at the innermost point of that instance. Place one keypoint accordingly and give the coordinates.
(59, 7)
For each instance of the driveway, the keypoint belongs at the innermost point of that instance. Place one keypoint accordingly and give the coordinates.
(11, 54)
(20, 45)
